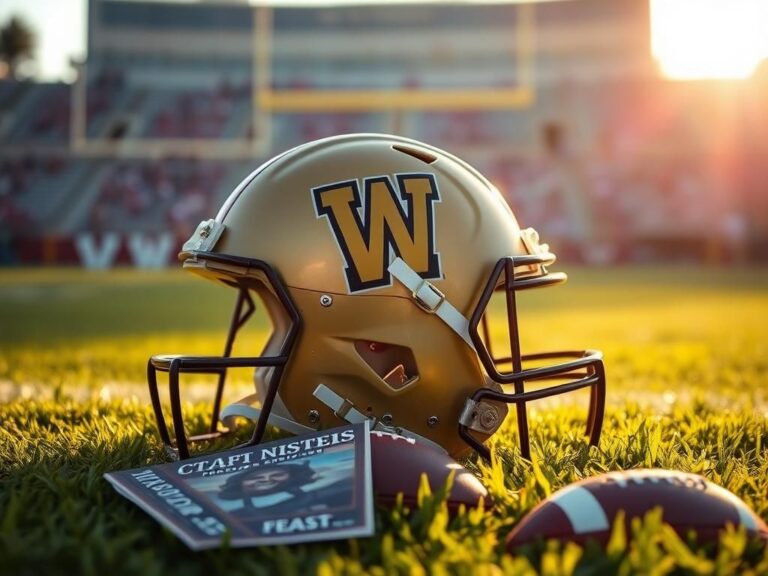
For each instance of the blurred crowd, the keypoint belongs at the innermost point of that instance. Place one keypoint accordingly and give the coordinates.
(198, 113)
(17, 179)
(631, 199)
(169, 195)
(598, 211)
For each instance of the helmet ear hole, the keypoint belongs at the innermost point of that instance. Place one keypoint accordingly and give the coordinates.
(395, 365)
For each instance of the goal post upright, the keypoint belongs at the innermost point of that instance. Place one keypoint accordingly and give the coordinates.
(256, 144)
(291, 100)
(267, 100)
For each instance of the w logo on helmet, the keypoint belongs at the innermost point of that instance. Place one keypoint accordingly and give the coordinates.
(389, 222)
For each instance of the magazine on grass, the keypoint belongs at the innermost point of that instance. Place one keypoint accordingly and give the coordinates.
(298, 489)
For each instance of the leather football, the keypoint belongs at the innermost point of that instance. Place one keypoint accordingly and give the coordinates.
(399, 462)
(586, 510)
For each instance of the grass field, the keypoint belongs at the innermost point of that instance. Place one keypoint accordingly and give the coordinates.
(687, 360)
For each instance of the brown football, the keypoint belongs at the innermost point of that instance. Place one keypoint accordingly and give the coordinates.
(585, 510)
(399, 462)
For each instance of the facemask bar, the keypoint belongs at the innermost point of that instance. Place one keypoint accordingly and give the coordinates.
(582, 368)
(174, 365)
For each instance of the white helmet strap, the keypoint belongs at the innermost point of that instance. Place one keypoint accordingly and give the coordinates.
(430, 299)
(342, 407)
(245, 409)
(426, 297)
(345, 410)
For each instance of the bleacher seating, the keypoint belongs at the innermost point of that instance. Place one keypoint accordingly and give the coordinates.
(196, 113)
(172, 195)
(606, 154)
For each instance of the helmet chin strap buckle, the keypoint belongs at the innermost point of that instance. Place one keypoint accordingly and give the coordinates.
(342, 407)
(430, 299)
(345, 410)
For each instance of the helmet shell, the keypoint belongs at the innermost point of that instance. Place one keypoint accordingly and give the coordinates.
(393, 196)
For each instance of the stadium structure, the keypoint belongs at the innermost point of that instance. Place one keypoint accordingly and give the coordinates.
(559, 103)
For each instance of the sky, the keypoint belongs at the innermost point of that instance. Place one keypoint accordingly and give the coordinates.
(60, 29)
(691, 38)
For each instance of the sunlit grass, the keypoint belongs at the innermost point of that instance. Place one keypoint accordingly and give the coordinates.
(687, 361)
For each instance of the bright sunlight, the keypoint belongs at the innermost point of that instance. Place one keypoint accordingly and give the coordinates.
(697, 39)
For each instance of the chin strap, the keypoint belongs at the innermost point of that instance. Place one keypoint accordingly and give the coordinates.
(426, 297)
(430, 299)
(244, 410)
(345, 410)
(341, 407)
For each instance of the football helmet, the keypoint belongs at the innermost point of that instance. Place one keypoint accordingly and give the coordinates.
(376, 257)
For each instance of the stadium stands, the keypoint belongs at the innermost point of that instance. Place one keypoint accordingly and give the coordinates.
(607, 155)
(168, 194)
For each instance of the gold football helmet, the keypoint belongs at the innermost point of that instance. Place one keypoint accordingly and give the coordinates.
(376, 257)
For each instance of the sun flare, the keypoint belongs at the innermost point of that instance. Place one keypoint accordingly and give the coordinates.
(696, 39)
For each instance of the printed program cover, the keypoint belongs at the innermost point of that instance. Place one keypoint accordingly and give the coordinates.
(298, 489)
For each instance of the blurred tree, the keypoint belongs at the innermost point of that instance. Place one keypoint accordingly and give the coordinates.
(17, 44)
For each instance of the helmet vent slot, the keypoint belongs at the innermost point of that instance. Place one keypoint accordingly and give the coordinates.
(422, 155)
(394, 364)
